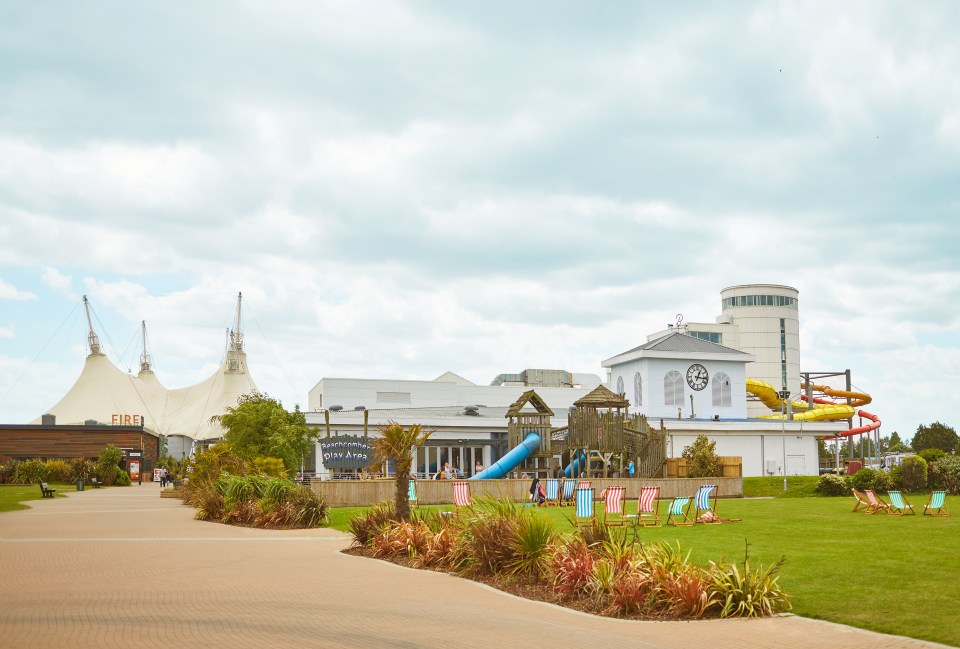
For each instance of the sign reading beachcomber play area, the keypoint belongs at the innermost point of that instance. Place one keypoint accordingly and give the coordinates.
(345, 452)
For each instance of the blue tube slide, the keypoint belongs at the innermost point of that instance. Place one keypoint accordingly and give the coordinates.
(573, 469)
(511, 460)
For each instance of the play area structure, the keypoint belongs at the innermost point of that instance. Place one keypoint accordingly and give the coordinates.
(818, 403)
(598, 427)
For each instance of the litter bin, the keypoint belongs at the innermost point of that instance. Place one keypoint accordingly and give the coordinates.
(80, 484)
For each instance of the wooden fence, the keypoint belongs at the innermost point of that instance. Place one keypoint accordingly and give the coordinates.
(732, 467)
(353, 493)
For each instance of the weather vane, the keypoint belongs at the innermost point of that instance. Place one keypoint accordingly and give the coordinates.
(679, 320)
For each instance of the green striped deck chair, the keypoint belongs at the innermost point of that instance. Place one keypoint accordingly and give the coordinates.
(412, 492)
(898, 504)
(938, 502)
(678, 513)
(584, 499)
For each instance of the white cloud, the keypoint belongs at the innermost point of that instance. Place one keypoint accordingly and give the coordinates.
(10, 292)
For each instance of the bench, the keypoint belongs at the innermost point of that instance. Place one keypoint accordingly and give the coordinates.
(96, 483)
(47, 491)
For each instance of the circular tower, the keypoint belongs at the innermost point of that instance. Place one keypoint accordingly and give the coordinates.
(767, 319)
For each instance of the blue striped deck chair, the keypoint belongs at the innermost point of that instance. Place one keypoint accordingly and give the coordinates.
(569, 485)
(552, 485)
(678, 513)
(412, 492)
(705, 511)
(584, 507)
(937, 502)
(898, 504)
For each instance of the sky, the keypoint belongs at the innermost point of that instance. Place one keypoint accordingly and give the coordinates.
(404, 188)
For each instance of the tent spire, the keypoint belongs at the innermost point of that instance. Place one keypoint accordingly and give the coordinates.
(236, 335)
(144, 355)
(92, 341)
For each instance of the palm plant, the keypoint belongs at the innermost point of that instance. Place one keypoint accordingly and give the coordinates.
(394, 444)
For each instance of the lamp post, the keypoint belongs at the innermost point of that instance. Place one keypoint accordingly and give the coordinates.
(784, 398)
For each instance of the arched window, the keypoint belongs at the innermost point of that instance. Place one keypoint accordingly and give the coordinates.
(637, 393)
(673, 389)
(721, 390)
(619, 385)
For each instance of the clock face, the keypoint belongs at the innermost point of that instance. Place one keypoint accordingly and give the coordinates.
(697, 376)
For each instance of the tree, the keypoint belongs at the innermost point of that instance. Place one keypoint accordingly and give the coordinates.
(896, 445)
(936, 435)
(260, 427)
(108, 464)
(394, 444)
(702, 460)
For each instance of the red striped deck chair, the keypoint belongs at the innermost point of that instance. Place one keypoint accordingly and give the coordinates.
(648, 509)
(461, 494)
(938, 502)
(877, 504)
(613, 505)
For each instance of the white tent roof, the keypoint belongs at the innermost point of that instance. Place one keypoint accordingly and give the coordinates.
(103, 392)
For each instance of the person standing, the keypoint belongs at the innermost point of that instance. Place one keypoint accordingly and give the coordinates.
(631, 469)
(477, 468)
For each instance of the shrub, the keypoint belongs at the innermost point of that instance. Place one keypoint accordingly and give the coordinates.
(871, 479)
(571, 567)
(32, 471)
(913, 473)
(122, 478)
(749, 592)
(945, 474)
(896, 477)
(832, 485)
(930, 454)
(364, 527)
(532, 541)
(8, 472)
(81, 467)
(308, 508)
(59, 471)
(702, 460)
(107, 464)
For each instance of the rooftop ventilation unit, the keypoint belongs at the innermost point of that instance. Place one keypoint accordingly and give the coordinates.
(335, 408)
(471, 411)
(360, 408)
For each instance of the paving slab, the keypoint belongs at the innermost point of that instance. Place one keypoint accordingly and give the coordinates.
(120, 567)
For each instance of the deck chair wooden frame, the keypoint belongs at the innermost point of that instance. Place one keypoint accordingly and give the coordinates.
(568, 489)
(412, 493)
(862, 503)
(938, 502)
(613, 503)
(552, 487)
(898, 504)
(678, 512)
(584, 507)
(648, 509)
(706, 513)
(877, 504)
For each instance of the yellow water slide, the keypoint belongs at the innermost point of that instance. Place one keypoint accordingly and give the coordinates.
(802, 411)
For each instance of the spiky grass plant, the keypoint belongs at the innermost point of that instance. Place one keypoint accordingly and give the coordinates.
(364, 527)
(532, 543)
(750, 592)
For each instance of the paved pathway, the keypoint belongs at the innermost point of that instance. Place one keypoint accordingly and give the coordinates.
(123, 567)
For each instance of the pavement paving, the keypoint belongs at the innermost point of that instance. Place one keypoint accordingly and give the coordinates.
(122, 567)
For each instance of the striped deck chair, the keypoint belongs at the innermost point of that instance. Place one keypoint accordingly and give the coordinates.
(412, 492)
(584, 514)
(938, 502)
(461, 494)
(678, 513)
(648, 509)
(613, 505)
(569, 486)
(898, 504)
(552, 486)
(705, 511)
(877, 503)
(862, 502)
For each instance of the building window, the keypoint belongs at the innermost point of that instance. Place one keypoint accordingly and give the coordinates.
(721, 390)
(760, 300)
(673, 389)
(711, 336)
(783, 353)
(619, 385)
(637, 393)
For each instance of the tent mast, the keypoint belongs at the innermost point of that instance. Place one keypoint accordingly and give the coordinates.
(144, 356)
(236, 336)
(92, 341)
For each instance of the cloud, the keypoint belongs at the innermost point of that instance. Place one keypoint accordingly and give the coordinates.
(10, 292)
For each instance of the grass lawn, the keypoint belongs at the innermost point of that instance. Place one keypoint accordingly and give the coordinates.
(12, 497)
(890, 574)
